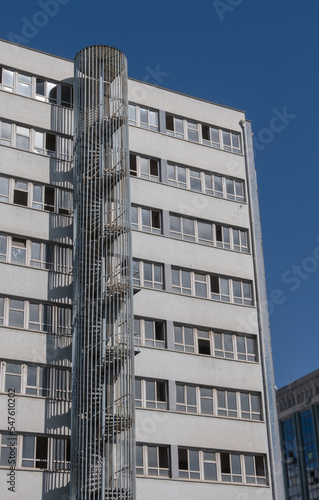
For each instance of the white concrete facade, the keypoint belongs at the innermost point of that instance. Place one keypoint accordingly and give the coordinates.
(242, 445)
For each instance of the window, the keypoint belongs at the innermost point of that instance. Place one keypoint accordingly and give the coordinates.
(151, 394)
(36, 254)
(250, 406)
(146, 168)
(43, 381)
(20, 193)
(184, 339)
(176, 176)
(23, 138)
(246, 348)
(231, 470)
(35, 452)
(208, 233)
(211, 343)
(214, 185)
(255, 469)
(220, 289)
(174, 126)
(205, 182)
(66, 96)
(7, 80)
(205, 134)
(37, 381)
(13, 377)
(231, 142)
(6, 443)
(181, 281)
(24, 85)
(192, 399)
(146, 219)
(34, 316)
(3, 248)
(148, 274)
(16, 313)
(227, 404)
(4, 189)
(152, 460)
(186, 399)
(234, 190)
(151, 333)
(224, 347)
(188, 464)
(143, 117)
(6, 133)
(45, 143)
(242, 292)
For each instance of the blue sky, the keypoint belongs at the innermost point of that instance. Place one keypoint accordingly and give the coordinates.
(260, 57)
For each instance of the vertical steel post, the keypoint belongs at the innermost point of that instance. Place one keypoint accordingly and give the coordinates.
(102, 403)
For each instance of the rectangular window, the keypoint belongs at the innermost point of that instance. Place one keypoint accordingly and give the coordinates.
(250, 406)
(147, 220)
(18, 251)
(186, 399)
(143, 117)
(246, 348)
(181, 281)
(184, 339)
(4, 189)
(153, 333)
(23, 138)
(20, 193)
(3, 248)
(1, 310)
(176, 176)
(192, 131)
(152, 276)
(13, 377)
(255, 469)
(6, 443)
(5, 134)
(223, 345)
(37, 381)
(16, 313)
(227, 404)
(7, 80)
(24, 85)
(151, 394)
(242, 292)
(132, 115)
(188, 464)
(152, 460)
(35, 452)
(231, 467)
(174, 126)
(235, 190)
(66, 96)
(220, 288)
(214, 185)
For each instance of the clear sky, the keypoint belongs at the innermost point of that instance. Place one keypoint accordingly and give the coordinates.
(257, 56)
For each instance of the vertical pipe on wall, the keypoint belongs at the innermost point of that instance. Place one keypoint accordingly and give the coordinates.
(102, 403)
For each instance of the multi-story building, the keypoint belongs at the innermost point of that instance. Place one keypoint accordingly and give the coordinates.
(205, 422)
(298, 411)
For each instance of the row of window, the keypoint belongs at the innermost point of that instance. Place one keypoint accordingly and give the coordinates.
(202, 465)
(36, 141)
(35, 452)
(35, 87)
(189, 178)
(183, 128)
(45, 381)
(196, 399)
(37, 196)
(185, 228)
(35, 254)
(34, 316)
(151, 275)
(228, 345)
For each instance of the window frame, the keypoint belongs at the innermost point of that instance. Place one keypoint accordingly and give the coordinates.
(137, 122)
